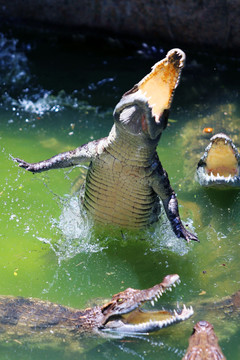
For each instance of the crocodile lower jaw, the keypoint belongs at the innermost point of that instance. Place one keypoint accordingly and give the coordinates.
(148, 322)
(211, 180)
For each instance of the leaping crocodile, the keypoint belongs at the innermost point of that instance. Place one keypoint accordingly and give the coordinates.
(220, 164)
(43, 321)
(126, 179)
(203, 343)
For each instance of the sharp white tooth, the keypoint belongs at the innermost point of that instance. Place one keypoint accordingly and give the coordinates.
(174, 285)
(170, 289)
(175, 312)
(156, 299)
(152, 302)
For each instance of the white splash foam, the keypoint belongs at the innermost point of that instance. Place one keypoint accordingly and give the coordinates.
(76, 231)
(164, 238)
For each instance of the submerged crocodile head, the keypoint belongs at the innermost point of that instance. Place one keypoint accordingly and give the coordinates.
(144, 109)
(220, 164)
(123, 314)
(203, 343)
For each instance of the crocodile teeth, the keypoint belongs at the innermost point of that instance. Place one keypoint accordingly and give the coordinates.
(152, 302)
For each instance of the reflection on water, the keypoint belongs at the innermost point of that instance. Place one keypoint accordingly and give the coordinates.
(55, 97)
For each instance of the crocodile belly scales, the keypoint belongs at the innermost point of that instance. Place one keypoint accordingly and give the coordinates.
(116, 193)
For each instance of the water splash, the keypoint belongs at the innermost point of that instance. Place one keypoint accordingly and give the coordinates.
(14, 68)
(21, 94)
(164, 238)
(75, 230)
(79, 235)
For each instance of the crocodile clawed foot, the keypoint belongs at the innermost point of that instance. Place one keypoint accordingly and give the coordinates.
(25, 165)
(187, 235)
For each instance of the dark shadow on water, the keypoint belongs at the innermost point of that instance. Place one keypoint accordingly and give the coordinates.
(148, 264)
(222, 198)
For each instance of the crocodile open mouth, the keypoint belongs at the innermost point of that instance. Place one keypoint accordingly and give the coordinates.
(159, 85)
(131, 319)
(220, 163)
(143, 321)
(221, 159)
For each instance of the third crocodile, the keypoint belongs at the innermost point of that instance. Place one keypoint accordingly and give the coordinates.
(126, 179)
(203, 343)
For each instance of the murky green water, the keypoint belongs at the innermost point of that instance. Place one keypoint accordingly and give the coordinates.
(55, 97)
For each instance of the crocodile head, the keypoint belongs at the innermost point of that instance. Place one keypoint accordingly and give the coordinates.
(203, 343)
(144, 109)
(220, 163)
(122, 315)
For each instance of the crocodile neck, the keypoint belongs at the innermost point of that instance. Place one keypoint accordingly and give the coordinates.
(130, 148)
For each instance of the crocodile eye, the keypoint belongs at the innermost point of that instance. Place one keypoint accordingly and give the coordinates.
(120, 300)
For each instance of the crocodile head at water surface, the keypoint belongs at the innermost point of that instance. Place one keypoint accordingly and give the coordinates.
(203, 343)
(121, 315)
(126, 180)
(219, 166)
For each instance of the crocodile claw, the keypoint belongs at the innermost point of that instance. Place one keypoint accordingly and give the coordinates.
(23, 164)
(187, 235)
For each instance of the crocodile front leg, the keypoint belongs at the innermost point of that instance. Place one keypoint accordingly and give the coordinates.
(84, 153)
(161, 185)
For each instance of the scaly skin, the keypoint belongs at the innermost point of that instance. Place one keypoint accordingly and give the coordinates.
(211, 177)
(43, 321)
(125, 178)
(203, 344)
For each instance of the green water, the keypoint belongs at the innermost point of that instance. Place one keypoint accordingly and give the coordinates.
(49, 251)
